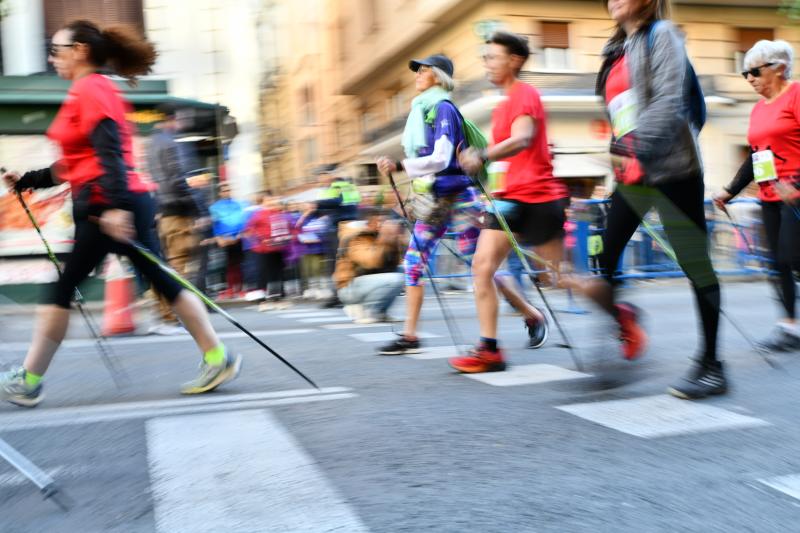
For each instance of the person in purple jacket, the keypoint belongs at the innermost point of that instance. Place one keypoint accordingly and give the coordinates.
(432, 136)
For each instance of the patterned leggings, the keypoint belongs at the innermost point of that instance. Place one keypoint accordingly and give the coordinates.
(463, 219)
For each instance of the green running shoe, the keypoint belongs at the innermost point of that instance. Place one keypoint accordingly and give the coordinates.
(14, 389)
(212, 376)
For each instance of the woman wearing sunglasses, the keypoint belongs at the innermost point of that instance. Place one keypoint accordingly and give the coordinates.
(774, 164)
(97, 162)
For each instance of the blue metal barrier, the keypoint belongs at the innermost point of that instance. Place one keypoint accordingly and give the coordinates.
(642, 258)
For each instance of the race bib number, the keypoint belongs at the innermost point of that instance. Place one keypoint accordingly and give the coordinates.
(595, 245)
(622, 109)
(764, 166)
(497, 175)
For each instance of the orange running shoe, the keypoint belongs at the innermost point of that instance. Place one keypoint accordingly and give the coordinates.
(631, 333)
(479, 359)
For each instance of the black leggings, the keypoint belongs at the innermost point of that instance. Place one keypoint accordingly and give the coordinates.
(270, 272)
(92, 246)
(680, 207)
(783, 228)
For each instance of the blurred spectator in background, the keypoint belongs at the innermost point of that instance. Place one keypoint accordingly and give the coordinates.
(170, 163)
(338, 199)
(270, 232)
(228, 218)
(200, 188)
(366, 276)
(311, 236)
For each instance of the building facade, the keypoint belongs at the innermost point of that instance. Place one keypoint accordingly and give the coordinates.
(363, 86)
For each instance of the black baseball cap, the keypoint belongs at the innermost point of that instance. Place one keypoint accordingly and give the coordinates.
(437, 60)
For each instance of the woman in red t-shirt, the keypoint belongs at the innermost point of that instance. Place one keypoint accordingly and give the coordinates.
(97, 162)
(774, 163)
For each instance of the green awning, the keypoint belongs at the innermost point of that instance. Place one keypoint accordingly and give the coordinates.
(29, 103)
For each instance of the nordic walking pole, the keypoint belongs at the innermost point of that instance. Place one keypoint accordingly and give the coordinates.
(455, 335)
(523, 259)
(150, 256)
(751, 250)
(44, 482)
(118, 375)
(673, 256)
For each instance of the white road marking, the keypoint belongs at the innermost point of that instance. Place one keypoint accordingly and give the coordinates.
(355, 326)
(436, 352)
(158, 339)
(660, 416)
(71, 416)
(527, 375)
(307, 314)
(789, 485)
(323, 319)
(383, 336)
(239, 471)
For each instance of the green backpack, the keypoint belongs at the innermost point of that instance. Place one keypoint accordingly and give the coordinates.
(472, 133)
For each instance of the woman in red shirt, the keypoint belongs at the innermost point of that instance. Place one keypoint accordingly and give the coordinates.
(774, 163)
(107, 194)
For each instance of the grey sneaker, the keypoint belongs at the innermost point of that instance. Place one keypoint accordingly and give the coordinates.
(212, 376)
(14, 389)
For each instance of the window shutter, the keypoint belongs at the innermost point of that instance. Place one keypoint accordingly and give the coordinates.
(555, 35)
(749, 36)
(103, 12)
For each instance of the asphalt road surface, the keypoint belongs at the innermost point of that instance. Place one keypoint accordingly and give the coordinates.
(391, 444)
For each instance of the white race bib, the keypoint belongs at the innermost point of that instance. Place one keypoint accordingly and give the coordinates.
(622, 109)
(764, 166)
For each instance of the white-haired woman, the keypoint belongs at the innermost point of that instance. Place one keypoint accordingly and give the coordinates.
(433, 133)
(774, 163)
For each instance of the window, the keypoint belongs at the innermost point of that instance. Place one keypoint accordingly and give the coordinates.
(103, 12)
(747, 38)
(369, 8)
(555, 45)
(307, 110)
(396, 106)
(367, 122)
(309, 151)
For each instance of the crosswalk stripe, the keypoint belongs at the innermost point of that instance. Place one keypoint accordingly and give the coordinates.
(436, 352)
(308, 314)
(527, 375)
(70, 416)
(240, 471)
(660, 416)
(324, 319)
(789, 485)
(158, 339)
(383, 336)
(355, 326)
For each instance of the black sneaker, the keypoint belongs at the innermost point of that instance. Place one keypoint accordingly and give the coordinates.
(704, 379)
(401, 346)
(538, 330)
(781, 340)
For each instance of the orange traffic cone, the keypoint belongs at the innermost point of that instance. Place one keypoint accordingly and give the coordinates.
(117, 315)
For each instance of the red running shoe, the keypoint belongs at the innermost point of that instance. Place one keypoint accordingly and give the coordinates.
(631, 333)
(479, 360)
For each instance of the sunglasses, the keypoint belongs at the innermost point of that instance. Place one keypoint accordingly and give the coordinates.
(756, 71)
(52, 50)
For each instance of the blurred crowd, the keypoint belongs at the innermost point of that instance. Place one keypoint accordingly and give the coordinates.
(343, 249)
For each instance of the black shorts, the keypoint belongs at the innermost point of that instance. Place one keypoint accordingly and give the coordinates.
(533, 224)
